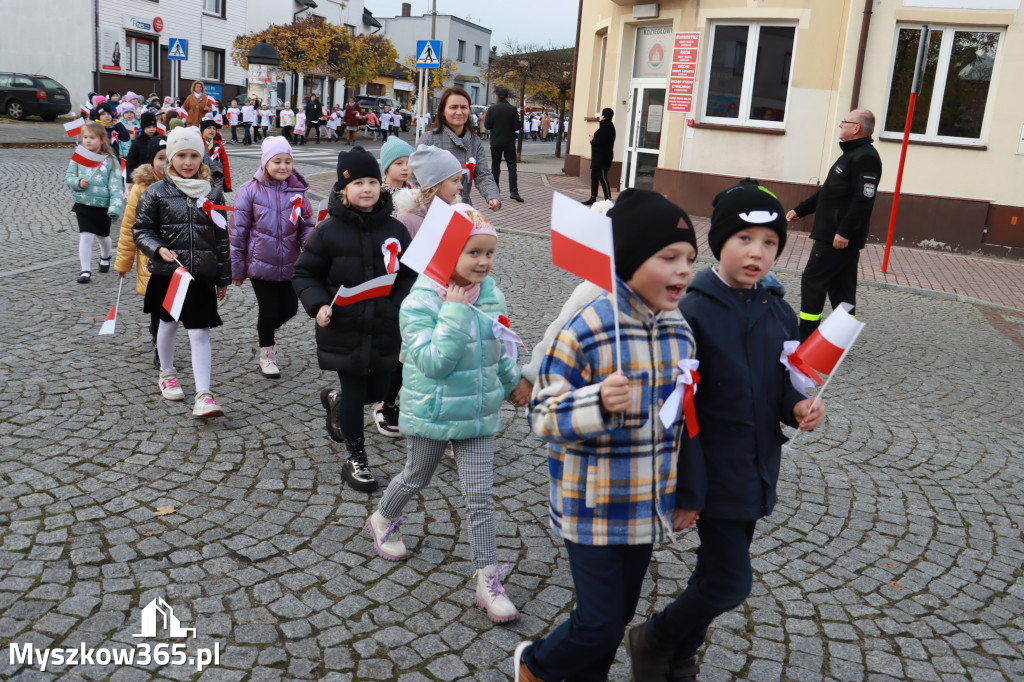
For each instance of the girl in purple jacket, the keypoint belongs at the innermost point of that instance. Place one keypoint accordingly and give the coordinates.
(273, 219)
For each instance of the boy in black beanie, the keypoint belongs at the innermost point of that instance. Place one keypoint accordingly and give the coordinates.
(147, 131)
(611, 458)
(728, 470)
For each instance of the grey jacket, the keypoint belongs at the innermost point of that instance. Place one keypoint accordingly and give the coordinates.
(464, 148)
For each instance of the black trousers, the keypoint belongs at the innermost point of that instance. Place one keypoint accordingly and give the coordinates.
(315, 125)
(357, 391)
(508, 151)
(277, 304)
(599, 176)
(829, 272)
(286, 132)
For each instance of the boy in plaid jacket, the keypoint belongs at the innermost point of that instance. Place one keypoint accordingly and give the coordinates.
(611, 460)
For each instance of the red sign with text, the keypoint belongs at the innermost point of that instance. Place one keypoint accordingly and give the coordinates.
(158, 24)
(683, 74)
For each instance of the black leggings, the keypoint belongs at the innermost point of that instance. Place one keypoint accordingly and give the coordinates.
(313, 126)
(358, 391)
(277, 304)
(599, 175)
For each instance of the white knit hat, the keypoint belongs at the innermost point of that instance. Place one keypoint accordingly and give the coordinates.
(182, 138)
(433, 165)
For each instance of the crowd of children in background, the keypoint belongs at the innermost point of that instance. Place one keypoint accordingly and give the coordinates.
(426, 354)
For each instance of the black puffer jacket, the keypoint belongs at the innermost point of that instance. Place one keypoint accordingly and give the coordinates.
(602, 147)
(346, 249)
(167, 217)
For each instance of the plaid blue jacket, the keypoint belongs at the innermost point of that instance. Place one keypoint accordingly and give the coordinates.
(612, 475)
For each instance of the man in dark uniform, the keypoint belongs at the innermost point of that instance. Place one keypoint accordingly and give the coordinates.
(842, 210)
(502, 121)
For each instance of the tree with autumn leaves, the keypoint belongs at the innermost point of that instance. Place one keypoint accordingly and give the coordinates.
(314, 44)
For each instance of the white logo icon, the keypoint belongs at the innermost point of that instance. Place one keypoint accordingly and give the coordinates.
(759, 217)
(170, 621)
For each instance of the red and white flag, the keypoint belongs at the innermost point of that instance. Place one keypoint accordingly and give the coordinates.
(825, 348)
(469, 169)
(296, 209)
(114, 139)
(581, 242)
(210, 209)
(74, 127)
(377, 287)
(175, 297)
(680, 401)
(215, 154)
(87, 158)
(161, 127)
(321, 212)
(438, 244)
(108, 324)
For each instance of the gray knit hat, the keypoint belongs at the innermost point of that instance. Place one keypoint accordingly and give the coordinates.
(433, 165)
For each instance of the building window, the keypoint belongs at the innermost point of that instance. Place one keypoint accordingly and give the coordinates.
(600, 73)
(462, 51)
(138, 55)
(213, 65)
(477, 52)
(748, 74)
(214, 7)
(956, 82)
(351, 29)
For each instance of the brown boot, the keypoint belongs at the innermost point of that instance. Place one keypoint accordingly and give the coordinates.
(520, 672)
(649, 662)
(684, 671)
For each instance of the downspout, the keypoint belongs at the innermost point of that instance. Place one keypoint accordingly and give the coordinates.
(861, 49)
(96, 41)
(575, 59)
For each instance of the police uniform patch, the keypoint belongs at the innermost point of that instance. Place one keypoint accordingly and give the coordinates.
(869, 190)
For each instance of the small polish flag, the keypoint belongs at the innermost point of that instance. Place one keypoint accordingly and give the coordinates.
(296, 208)
(825, 348)
(321, 212)
(74, 127)
(86, 108)
(175, 297)
(87, 158)
(377, 287)
(581, 242)
(108, 324)
(161, 127)
(438, 244)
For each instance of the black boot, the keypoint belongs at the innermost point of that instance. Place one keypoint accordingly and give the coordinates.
(355, 470)
(649, 661)
(590, 201)
(684, 671)
(807, 328)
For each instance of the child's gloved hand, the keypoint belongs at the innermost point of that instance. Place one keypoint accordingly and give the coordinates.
(807, 419)
(615, 394)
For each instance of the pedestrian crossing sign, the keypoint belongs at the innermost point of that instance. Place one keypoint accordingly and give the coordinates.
(428, 54)
(177, 48)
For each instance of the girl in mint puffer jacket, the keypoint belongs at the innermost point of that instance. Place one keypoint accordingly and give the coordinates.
(455, 375)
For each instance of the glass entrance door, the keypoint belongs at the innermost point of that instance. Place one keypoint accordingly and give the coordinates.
(647, 117)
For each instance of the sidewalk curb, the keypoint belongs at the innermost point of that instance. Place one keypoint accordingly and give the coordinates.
(30, 145)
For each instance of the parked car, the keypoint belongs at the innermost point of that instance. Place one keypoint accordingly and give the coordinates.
(23, 94)
(367, 102)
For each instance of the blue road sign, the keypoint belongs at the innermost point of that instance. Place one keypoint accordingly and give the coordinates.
(177, 48)
(428, 54)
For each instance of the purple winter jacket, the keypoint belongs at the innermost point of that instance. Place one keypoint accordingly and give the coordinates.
(264, 240)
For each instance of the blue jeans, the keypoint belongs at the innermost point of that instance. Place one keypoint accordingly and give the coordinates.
(248, 139)
(234, 133)
(608, 579)
(720, 582)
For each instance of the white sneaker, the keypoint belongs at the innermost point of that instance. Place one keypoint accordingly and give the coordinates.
(268, 362)
(490, 595)
(386, 538)
(205, 406)
(169, 387)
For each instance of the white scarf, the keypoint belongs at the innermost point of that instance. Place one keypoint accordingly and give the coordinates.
(192, 187)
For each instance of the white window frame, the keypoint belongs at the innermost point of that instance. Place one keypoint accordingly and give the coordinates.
(600, 73)
(203, 75)
(749, 67)
(942, 71)
(214, 13)
(461, 51)
(153, 54)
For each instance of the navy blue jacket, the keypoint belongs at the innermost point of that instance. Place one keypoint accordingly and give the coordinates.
(730, 469)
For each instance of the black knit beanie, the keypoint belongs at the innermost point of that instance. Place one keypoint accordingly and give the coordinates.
(644, 223)
(147, 119)
(744, 205)
(355, 164)
(208, 123)
(152, 148)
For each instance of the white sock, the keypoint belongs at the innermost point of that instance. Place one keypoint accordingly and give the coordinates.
(202, 358)
(105, 245)
(165, 343)
(85, 250)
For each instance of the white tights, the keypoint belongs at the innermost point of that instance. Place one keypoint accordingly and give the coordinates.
(198, 339)
(85, 249)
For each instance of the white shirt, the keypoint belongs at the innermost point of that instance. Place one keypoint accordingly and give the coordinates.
(396, 119)
(248, 114)
(265, 115)
(233, 115)
(385, 120)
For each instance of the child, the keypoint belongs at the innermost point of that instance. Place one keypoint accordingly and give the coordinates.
(455, 375)
(439, 174)
(728, 471)
(98, 194)
(385, 123)
(300, 127)
(153, 158)
(171, 228)
(118, 136)
(127, 111)
(287, 121)
(394, 160)
(265, 114)
(333, 120)
(210, 131)
(372, 124)
(265, 242)
(612, 462)
(233, 117)
(358, 242)
(147, 131)
(248, 120)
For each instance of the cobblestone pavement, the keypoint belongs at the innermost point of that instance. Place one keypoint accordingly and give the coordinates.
(895, 551)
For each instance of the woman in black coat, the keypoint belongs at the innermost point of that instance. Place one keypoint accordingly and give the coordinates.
(601, 153)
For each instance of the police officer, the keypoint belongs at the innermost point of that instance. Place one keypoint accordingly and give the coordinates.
(842, 208)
